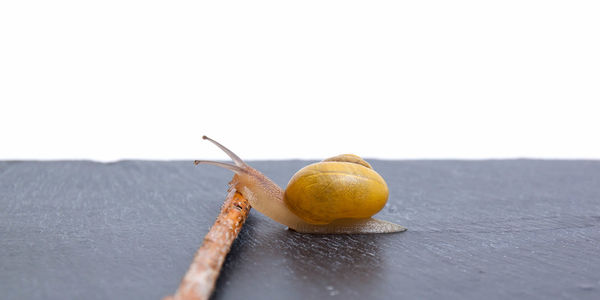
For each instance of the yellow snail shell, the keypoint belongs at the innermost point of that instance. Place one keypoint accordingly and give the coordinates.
(340, 187)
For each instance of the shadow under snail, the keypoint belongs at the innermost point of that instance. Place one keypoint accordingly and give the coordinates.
(336, 195)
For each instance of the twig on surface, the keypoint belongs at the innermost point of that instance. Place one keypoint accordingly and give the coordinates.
(199, 281)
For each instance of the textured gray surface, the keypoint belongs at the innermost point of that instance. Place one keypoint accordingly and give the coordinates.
(128, 230)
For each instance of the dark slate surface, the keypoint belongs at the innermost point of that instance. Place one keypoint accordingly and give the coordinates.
(128, 230)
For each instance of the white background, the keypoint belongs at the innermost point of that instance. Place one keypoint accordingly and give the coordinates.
(108, 80)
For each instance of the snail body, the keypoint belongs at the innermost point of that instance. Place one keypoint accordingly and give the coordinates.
(337, 195)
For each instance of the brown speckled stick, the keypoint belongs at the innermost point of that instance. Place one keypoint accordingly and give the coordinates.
(199, 281)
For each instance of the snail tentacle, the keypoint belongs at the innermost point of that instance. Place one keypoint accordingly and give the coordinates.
(220, 164)
(236, 159)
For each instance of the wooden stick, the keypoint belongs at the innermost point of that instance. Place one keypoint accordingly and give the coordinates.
(199, 281)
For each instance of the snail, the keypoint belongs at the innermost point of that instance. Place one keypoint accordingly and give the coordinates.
(337, 195)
